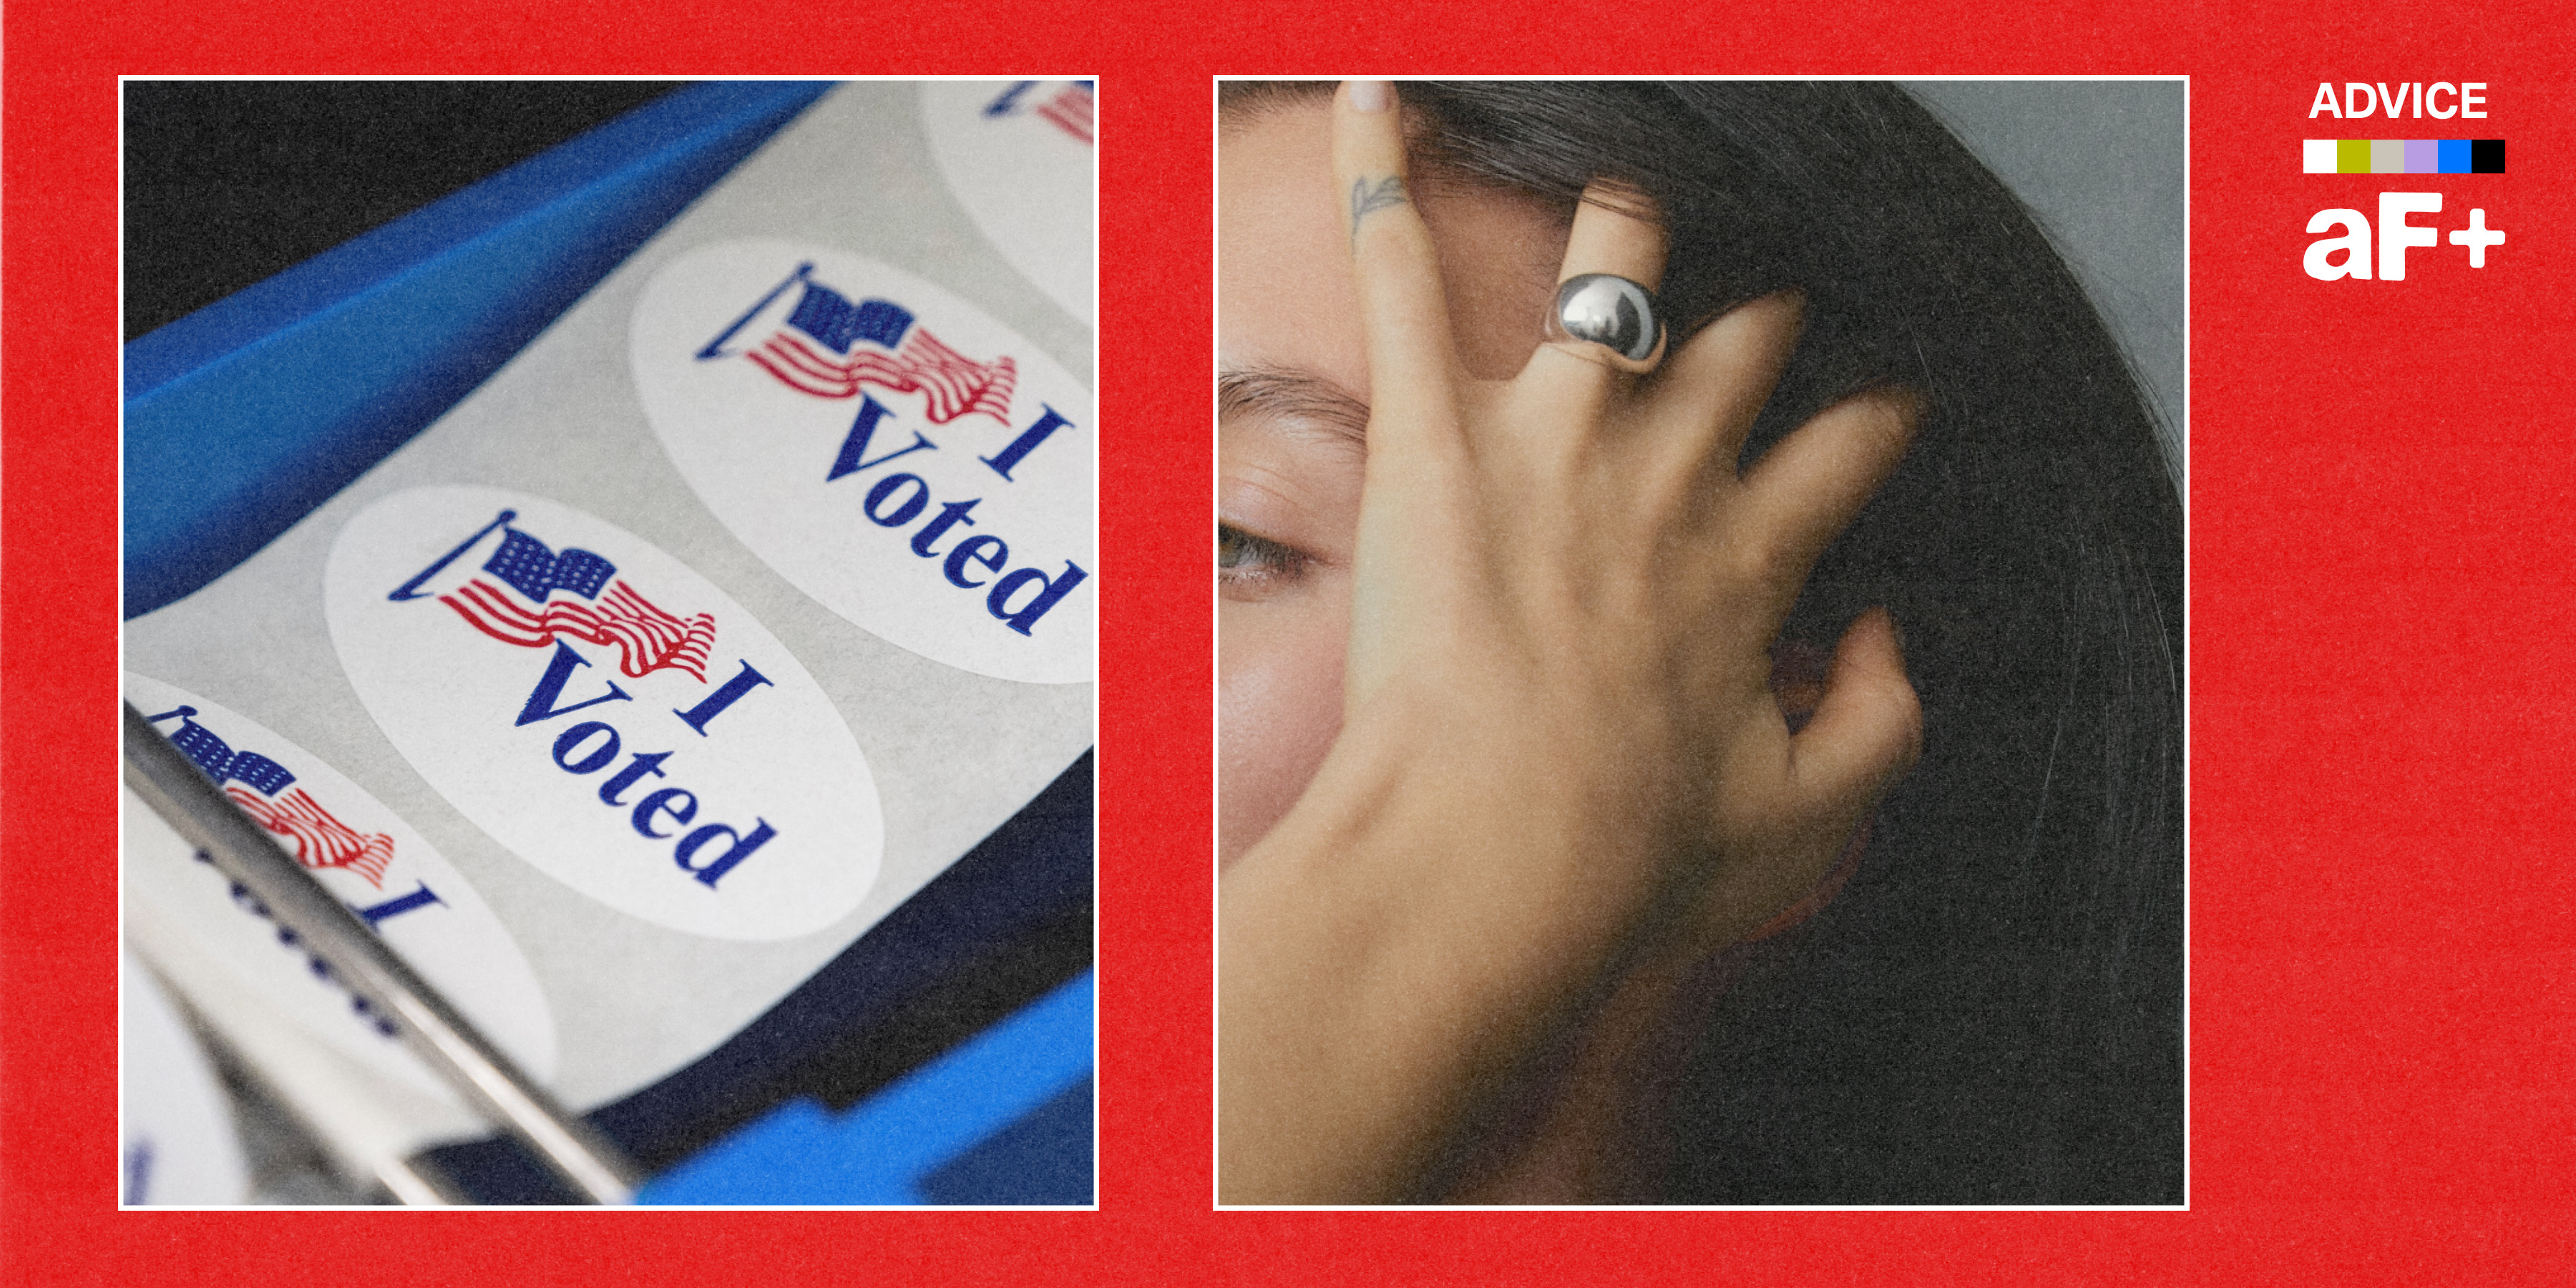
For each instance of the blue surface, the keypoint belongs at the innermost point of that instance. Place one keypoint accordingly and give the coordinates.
(1010, 1091)
(1044, 1158)
(1031, 871)
(243, 416)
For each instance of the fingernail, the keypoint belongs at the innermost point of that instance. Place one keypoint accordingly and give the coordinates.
(1371, 95)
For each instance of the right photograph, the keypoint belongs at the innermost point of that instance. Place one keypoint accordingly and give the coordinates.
(1701, 643)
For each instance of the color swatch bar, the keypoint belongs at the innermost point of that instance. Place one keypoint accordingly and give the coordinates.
(2402, 156)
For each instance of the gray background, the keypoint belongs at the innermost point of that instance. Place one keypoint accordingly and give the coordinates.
(2103, 165)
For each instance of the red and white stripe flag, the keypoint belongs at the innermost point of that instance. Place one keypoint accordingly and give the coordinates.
(647, 639)
(955, 384)
(321, 841)
(1070, 111)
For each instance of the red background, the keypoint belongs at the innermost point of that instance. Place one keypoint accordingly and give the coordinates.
(2381, 1047)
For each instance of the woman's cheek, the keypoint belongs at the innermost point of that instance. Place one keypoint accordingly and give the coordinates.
(1279, 706)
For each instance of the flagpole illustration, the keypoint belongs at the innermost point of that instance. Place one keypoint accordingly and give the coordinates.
(411, 589)
(715, 347)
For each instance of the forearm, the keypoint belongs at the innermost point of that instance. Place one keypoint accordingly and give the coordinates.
(1393, 950)
(1590, 1121)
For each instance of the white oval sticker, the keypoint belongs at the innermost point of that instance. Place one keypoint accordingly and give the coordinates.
(362, 853)
(1017, 154)
(604, 711)
(910, 463)
(179, 1145)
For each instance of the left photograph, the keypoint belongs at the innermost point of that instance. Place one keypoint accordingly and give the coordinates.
(609, 581)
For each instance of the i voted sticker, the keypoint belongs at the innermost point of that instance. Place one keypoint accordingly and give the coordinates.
(913, 465)
(605, 712)
(1018, 156)
(361, 852)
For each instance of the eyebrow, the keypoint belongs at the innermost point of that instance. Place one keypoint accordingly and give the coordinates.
(1293, 395)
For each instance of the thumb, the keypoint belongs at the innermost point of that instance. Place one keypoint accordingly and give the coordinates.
(1866, 732)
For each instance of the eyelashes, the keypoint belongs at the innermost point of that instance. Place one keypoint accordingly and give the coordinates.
(1249, 565)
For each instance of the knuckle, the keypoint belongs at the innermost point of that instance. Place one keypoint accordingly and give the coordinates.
(1757, 565)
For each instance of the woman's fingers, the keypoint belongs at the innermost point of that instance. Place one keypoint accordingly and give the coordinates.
(1713, 388)
(1616, 232)
(1791, 830)
(1808, 487)
(1398, 272)
(1866, 732)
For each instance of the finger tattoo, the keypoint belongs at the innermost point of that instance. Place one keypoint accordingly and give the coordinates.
(1367, 196)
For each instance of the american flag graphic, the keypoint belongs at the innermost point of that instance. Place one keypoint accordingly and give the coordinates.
(321, 841)
(647, 638)
(220, 761)
(1070, 111)
(813, 353)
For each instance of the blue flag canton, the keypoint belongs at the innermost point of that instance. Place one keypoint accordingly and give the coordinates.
(222, 763)
(833, 321)
(529, 567)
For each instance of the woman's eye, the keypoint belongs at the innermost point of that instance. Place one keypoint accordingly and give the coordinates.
(1245, 561)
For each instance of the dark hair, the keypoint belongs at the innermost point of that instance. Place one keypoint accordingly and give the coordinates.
(1991, 1012)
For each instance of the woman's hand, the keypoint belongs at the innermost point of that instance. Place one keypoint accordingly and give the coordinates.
(1559, 744)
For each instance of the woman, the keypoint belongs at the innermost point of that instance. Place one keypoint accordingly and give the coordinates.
(1535, 774)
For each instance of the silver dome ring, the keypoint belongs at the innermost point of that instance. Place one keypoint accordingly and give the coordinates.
(1613, 312)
